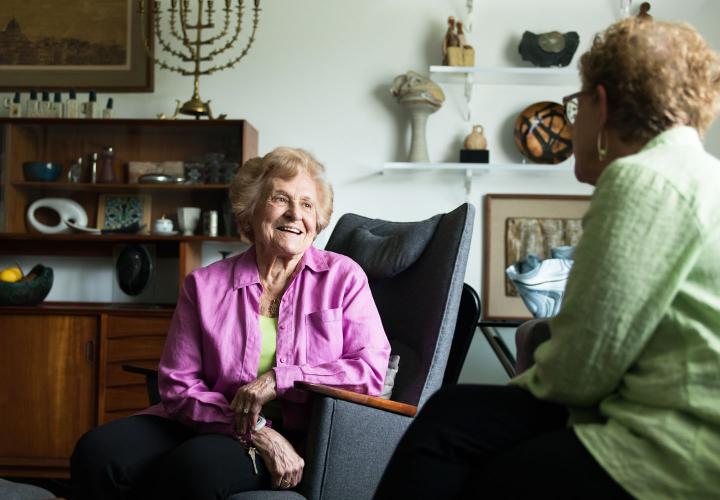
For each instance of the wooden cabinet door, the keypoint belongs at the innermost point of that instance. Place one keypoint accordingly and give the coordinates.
(47, 389)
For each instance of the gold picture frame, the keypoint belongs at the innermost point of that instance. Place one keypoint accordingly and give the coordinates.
(119, 210)
(74, 44)
(501, 212)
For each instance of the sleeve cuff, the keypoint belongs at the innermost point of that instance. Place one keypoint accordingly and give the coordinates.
(285, 377)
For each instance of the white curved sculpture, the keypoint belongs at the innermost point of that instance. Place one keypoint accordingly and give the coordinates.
(67, 210)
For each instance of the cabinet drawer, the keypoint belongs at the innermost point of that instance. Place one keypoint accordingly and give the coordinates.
(128, 397)
(128, 326)
(135, 348)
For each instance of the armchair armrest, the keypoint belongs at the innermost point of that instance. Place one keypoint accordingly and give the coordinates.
(361, 399)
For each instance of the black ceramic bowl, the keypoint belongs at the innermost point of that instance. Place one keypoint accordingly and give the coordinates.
(39, 171)
(30, 291)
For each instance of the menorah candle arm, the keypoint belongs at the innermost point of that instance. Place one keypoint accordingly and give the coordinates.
(238, 29)
(231, 63)
(226, 25)
(166, 46)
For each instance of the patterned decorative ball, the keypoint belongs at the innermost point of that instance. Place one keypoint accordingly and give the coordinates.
(542, 133)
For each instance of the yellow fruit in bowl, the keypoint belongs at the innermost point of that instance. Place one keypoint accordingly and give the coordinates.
(11, 274)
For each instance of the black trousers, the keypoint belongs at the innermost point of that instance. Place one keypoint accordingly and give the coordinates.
(475, 441)
(152, 457)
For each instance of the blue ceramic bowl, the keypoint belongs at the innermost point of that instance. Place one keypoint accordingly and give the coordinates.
(39, 171)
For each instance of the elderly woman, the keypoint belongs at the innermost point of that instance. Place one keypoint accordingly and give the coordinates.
(244, 331)
(623, 399)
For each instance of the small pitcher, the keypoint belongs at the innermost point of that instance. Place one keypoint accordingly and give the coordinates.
(476, 140)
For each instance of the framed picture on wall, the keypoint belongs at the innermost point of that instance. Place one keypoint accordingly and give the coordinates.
(120, 210)
(515, 226)
(74, 44)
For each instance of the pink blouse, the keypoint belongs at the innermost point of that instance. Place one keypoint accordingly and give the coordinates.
(329, 332)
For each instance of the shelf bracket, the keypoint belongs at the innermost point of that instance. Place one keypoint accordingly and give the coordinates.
(468, 96)
(468, 20)
(468, 183)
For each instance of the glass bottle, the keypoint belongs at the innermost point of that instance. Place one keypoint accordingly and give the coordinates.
(72, 106)
(33, 106)
(107, 172)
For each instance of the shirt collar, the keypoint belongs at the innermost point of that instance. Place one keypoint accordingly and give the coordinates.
(246, 272)
(676, 136)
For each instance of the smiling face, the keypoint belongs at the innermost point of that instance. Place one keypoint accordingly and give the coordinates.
(285, 220)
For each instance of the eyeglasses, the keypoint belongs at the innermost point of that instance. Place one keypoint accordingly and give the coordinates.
(572, 103)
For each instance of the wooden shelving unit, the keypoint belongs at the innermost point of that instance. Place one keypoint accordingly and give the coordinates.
(63, 140)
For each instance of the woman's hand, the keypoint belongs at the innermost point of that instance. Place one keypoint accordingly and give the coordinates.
(250, 398)
(280, 458)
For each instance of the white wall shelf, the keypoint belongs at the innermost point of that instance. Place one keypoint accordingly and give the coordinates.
(470, 169)
(479, 75)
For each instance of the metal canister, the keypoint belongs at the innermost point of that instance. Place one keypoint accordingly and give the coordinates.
(210, 223)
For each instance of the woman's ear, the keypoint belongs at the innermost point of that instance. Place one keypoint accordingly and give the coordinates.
(601, 96)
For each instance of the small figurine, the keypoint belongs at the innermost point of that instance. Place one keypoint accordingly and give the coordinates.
(456, 50)
(644, 9)
(451, 39)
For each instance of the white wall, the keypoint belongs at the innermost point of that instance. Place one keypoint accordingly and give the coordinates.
(319, 76)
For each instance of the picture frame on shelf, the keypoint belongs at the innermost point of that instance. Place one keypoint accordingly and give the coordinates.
(120, 210)
(89, 45)
(515, 225)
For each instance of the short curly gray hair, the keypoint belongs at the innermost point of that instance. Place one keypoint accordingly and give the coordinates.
(657, 75)
(253, 180)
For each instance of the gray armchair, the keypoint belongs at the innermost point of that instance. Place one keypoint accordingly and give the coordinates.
(416, 272)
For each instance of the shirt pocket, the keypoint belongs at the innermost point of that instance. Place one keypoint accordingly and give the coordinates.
(324, 336)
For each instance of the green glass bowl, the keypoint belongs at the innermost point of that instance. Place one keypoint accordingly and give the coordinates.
(27, 292)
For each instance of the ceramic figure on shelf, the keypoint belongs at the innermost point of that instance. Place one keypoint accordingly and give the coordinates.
(644, 9)
(467, 52)
(450, 40)
(422, 97)
(476, 139)
(475, 147)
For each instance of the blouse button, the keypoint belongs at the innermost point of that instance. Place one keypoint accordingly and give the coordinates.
(282, 360)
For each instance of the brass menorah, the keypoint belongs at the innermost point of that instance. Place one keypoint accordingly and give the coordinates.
(193, 43)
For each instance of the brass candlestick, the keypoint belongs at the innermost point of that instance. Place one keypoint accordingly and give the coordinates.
(193, 44)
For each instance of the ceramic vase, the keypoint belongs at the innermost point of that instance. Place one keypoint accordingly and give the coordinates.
(188, 218)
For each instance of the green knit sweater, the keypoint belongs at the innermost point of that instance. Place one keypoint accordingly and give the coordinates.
(635, 349)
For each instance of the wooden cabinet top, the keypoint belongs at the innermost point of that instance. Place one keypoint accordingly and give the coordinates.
(90, 309)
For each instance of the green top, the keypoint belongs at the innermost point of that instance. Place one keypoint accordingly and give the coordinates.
(268, 329)
(635, 349)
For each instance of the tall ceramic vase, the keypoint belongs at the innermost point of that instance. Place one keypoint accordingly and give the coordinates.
(419, 113)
